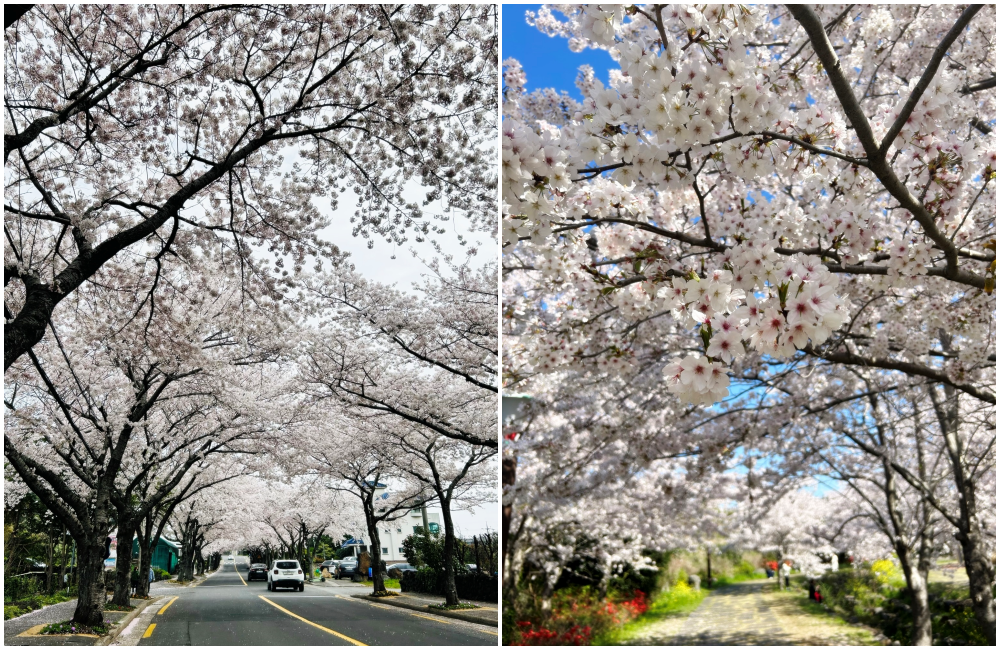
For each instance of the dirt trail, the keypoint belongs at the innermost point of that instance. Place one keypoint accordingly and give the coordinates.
(752, 613)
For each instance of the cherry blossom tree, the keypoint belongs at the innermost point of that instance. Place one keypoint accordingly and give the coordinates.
(429, 359)
(356, 457)
(188, 133)
(456, 473)
(699, 245)
(761, 205)
(105, 405)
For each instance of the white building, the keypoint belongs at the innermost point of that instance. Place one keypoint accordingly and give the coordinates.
(392, 533)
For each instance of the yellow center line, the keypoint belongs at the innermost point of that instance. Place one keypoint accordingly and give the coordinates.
(149, 631)
(315, 625)
(164, 608)
(241, 579)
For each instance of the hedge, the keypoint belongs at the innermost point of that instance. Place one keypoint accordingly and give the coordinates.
(470, 586)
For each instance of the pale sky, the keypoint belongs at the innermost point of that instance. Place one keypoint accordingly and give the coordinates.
(377, 264)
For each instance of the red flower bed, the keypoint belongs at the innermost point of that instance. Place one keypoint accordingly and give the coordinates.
(577, 616)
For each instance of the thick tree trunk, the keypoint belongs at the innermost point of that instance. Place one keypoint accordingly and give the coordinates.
(450, 590)
(375, 551)
(123, 562)
(90, 592)
(145, 565)
(917, 587)
(145, 556)
(508, 476)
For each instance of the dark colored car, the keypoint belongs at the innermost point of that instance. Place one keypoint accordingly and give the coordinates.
(257, 572)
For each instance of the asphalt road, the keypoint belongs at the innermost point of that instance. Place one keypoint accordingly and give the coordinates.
(225, 610)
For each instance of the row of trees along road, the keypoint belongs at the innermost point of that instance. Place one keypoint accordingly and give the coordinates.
(761, 251)
(155, 240)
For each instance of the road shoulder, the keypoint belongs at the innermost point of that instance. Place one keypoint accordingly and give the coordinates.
(485, 616)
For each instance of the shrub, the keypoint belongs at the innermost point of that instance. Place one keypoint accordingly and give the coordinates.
(886, 572)
(578, 615)
(529, 635)
(876, 596)
(161, 574)
(12, 611)
(471, 586)
(20, 587)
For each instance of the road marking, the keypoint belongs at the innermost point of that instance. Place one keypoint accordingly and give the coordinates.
(171, 602)
(149, 630)
(450, 623)
(316, 625)
(241, 579)
(431, 618)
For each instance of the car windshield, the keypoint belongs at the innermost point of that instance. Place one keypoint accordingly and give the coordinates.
(288, 565)
(258, 566)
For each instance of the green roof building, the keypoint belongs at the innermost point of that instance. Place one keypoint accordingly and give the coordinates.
(165, 554)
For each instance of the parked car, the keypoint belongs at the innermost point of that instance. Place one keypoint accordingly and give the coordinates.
(257, 572)
(402, 566)
(330, 566)
(347, 567)
(285, 573)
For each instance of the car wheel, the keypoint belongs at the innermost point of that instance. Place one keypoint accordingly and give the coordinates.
(302, 587)
(269, 585)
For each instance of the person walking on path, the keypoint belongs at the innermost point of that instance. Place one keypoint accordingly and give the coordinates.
(786, 570)
(135, 581)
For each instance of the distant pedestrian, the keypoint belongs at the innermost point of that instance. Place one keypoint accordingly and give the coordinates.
(150, 579)
(135, 581)
(786, 570)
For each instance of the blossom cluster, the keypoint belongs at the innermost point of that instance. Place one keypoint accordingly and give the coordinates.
(710, 179)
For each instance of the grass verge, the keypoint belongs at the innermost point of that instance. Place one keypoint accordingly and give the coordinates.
(69, 627)
(15, 608)
(391, 583)
(680, 601)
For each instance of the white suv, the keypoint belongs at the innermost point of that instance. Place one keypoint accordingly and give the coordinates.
(285, 573)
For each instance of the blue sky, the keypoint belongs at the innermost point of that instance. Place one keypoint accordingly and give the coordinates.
(547, 61)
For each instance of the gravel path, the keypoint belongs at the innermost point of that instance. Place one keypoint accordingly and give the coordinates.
(752, 613)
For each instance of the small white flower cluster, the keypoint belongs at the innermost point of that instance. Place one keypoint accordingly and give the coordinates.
(792, 301)
(909, 260)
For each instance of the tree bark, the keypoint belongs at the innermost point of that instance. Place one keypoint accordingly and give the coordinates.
(450, 590)
(980, 570)
(508, 476)
(917, 586)
(90, 593)
(48, 563)
(123, 561)
(375, 551)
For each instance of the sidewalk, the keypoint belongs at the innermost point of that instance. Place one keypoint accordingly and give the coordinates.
(339, 584)
(23, 629)
(487, 614)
